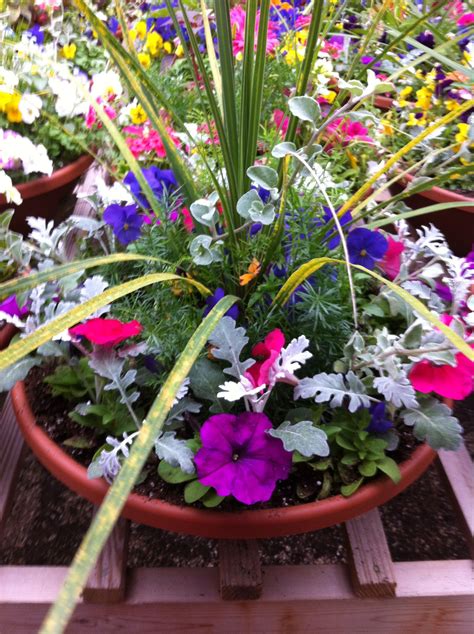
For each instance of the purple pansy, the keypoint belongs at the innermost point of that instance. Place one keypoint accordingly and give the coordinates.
(215, 298)
(366, 247)
(426, 38)
(160, 181)
(239, 458)
(125, 221)
(379, 423)
(36, 33)
(10, 307)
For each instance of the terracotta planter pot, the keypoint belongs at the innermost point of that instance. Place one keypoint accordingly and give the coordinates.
(246, 524)
(6, 335)
(457, 223)
(47, 196)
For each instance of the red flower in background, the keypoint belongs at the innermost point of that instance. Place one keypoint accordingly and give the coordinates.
(106, 332)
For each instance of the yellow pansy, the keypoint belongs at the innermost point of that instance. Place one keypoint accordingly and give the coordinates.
(387, 127)
(423, 98)
(138, 115)
(69, 51)
(179, 52)
(140, 28)
(414, 121)
(5, 98)
(154, 42)
(403, 95)
(144, 59)
(339, 26)
(12, 111)
(462, 136)
(330, 95)
(167, 47)
(132, 34)
(467, 58)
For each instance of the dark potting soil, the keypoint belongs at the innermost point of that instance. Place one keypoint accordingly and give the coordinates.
(52, 416)
(47, 523)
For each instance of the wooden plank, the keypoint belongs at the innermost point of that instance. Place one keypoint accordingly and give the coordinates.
(240, 571)
(106, 583)
(11, 442)
(434, 597)
(370, 563)
(458, 472)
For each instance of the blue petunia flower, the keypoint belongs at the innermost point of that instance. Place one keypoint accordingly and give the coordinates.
(126, 222)
(160, 181)
(335, 241)
(113, 25)
(379, 423)
(366, 247)
(215, 298)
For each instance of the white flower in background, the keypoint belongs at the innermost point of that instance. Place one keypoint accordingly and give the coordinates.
(8, 190)
(16, 149)
(35, 159)
(106, 84)
(8, 80)
(30, 107)
(70, 102)
(117, 193)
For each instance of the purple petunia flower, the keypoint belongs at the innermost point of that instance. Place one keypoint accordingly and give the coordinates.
(10, 307)
(215, 298)
(335, 241)
(160, 181)
(366, 247)
(125, 221)
(379, 423)
(239, 458)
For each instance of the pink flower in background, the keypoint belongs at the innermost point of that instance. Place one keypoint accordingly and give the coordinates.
(332, 48)
(91, 117)
(144, 140)
(390, 264)
(237, 20)
(106, 332)
(187, 219)
(466, 19)
(346, 131)
(281, 121)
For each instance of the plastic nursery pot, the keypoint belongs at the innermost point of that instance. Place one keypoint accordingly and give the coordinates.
(6, 334)
(248, 524)
(47, 196)
(457, 224)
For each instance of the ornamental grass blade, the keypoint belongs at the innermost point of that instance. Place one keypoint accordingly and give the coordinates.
(418, 212)
(21, 284)
(22, 347)
(307, 269)
(109, 512)
(147, 94)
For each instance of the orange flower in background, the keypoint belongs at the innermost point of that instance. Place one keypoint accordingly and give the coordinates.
(252, 272)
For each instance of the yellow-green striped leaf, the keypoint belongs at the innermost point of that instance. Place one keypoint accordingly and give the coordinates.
(22, 347)
(21, 284)
(109, 512)
(307, 269)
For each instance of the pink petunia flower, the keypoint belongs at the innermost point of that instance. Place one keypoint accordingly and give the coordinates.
(345, 131)
(447, 381)
(281, 121)
(269, 351)
(390, 264)
(106, 332)
(466, 20)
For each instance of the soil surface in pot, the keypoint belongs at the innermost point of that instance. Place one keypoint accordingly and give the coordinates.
(52, 416)
(47, 523)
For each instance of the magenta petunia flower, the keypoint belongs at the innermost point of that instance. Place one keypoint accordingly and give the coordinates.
(239, 458)
(10, 307)
(237, 21)
(391, 262)
(447, 381)
(268, 352)
(106, 332)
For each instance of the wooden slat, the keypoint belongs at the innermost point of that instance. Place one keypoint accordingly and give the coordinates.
(11, 443)
(240, 572)
(434, 597)
(370, 563)
(106, 583)
(458, 470)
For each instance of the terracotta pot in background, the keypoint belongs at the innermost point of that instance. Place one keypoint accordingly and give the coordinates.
(47, 196)
(6, 334)
(457, 224)
(248, 524)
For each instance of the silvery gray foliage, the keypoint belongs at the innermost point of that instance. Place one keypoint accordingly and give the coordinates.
(263, 176)
(250, 206)
(333, 388)
(51, 240)
(431, 242)
(205, 251)
(432, 421)
(16, 372)
(396, 390)
(92, 287)
(108, 463)
(175, 451)
(417, 288)
(228, 341)
(204, 210)
(109, 365)
(303, 437)
(185, 405)
(305, 108)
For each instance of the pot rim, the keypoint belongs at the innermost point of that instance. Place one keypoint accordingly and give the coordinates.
(439, 194)
(58, 178)
(247, 524)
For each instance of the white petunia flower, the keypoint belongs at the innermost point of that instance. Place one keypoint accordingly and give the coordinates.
(7, 188)
(30, 107)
